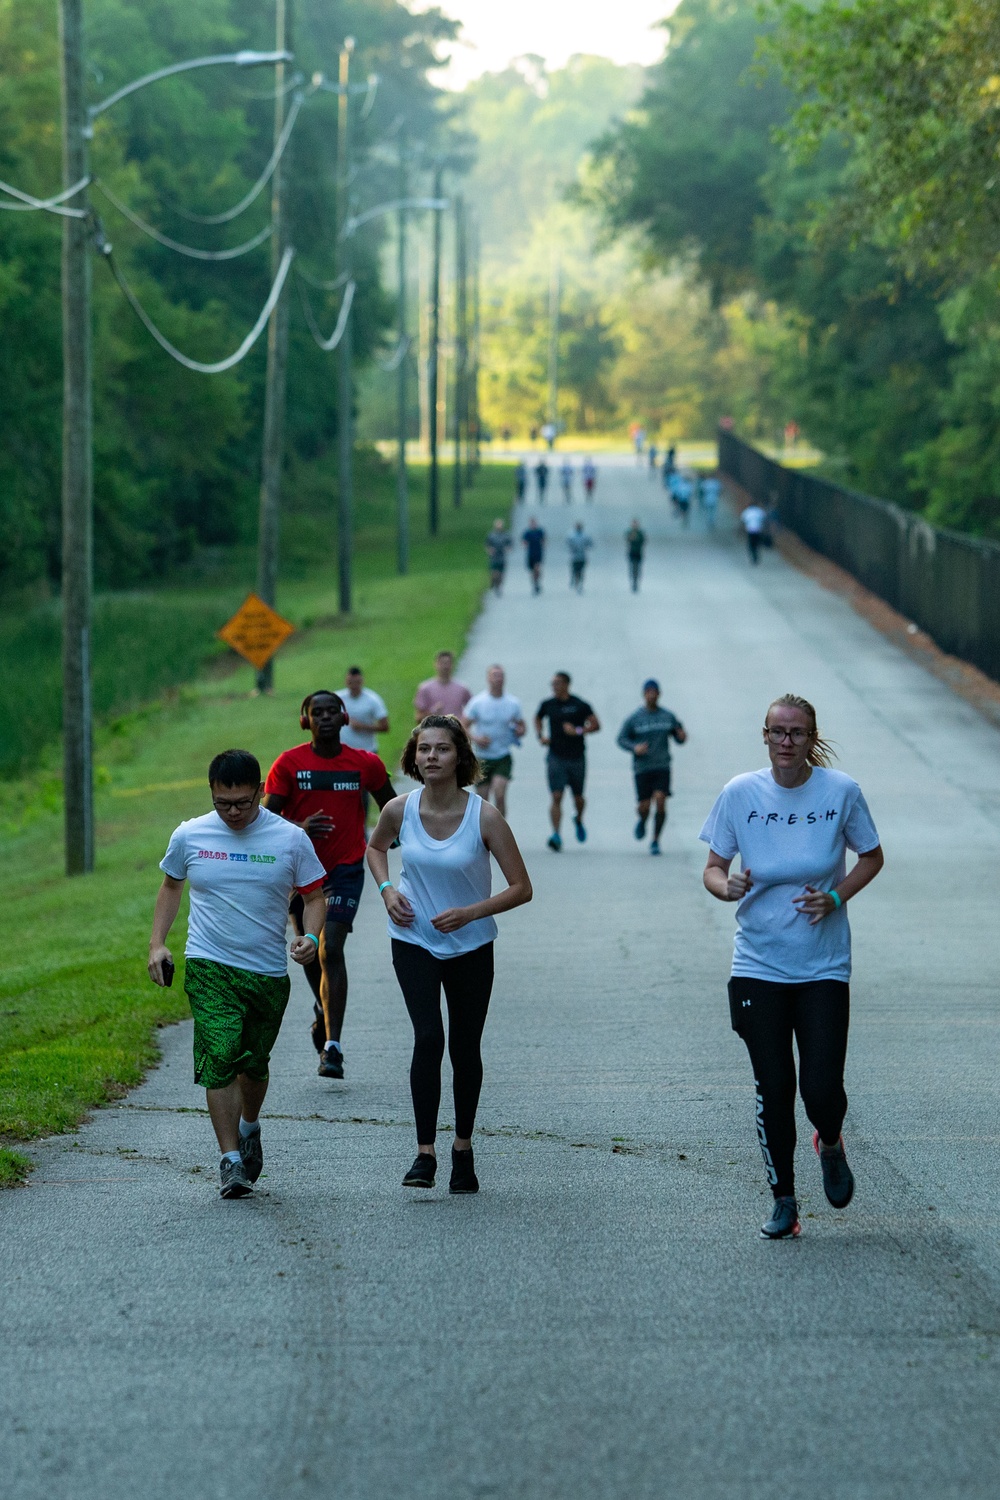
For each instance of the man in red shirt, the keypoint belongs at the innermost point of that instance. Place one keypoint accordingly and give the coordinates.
(320, 786)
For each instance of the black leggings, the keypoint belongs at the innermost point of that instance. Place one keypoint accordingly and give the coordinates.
(767, 1016)
(467, 981)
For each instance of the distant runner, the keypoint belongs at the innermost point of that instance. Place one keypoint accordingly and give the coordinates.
(754, 522)
(521, 481)
(792, 825)
(589, 479)
(566, 480)
(243, 863)
(533, 540)
(442, 693)
(441, 922)
(368, 715)
(569, 719)
(635, 546)
(578, 544)
(711, 489)
(495, 724)
(646, 735)
(542, 478)
(320, 787)
(498, 544)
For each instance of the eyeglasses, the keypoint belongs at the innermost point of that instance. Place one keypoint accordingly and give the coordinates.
(242, 806)
(778, 736)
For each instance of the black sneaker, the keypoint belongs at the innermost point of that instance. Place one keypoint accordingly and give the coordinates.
(331, 1062)
(640, 828)
(252, 1155)
(318, 1028)
(784, 1221)
(421, 1174)
(235, 1182)
(463, 1172)
(838, 1179)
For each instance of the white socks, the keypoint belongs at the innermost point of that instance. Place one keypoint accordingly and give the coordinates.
(246, 1128)
(232, 1156)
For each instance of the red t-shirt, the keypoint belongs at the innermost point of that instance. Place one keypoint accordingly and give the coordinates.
(313, 783)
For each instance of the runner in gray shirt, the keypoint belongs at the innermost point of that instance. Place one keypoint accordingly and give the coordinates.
(647, 735)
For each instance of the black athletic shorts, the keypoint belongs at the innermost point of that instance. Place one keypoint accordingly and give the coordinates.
(342, 887)
(566, 773)
(648, 782)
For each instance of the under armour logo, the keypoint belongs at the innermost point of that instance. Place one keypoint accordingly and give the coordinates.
(745, 1004)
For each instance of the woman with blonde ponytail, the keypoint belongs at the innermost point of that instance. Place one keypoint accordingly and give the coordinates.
(792, 824)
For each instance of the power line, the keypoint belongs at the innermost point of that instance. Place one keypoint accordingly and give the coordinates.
(163, 239)
(345, 312)
(182, 359)
(262, 180)
(53, 205)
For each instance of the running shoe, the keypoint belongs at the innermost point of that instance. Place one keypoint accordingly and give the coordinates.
(463, 1172)
(555, 842)
(640, 829)
(331, 1063)
(838, 1179)
(252, 1155)
(234, 1179)
(784, 1221)
(654, 847)
(581, 832)
(421, 1174)
(318, 1028)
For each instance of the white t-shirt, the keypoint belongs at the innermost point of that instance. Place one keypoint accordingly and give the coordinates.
(240, 885)
(790, 839)
(368, 707)
(754, 519)
(495, 717)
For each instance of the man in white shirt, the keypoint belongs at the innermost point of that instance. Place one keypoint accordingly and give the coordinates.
(495, 724)
(243, 863)
(578, 544)
(367, 713)
(754, 523)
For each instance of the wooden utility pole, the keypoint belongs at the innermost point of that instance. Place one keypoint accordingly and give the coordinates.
(554, 294)
(402, 495)
(432, 362)
(273, 455)
(77, 461)
(460, 418)
(345, 383)
(474, 435)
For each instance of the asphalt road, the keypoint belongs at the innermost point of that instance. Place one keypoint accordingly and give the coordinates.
(602, 1321)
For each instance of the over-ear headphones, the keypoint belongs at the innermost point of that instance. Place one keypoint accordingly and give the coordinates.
(316, 693)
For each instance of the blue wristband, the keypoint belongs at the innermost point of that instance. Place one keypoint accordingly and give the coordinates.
(836, 900)
(313, 936)
(385, 884)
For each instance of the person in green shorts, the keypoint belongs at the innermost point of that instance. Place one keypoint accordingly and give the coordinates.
(495, 724)
(242, 863)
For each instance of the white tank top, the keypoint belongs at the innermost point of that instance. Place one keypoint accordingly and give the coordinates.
(440, 873)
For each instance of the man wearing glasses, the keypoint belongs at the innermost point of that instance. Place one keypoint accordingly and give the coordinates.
(242, 863)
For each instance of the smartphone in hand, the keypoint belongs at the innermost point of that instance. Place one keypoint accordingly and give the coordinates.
(167, 970)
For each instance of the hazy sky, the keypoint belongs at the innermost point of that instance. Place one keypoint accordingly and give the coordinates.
(554, 29)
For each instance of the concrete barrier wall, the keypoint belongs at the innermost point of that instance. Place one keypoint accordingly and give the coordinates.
(947, 583)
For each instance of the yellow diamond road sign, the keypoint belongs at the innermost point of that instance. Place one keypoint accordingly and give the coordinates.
(256, 631)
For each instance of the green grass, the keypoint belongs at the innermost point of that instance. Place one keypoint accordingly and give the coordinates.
(78, 1016)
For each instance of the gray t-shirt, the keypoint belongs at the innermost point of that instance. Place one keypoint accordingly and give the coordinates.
(653, 727)
(369, 708)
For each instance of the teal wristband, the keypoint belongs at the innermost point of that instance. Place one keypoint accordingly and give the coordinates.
(836, 900)
(313, 936)
(383, 886)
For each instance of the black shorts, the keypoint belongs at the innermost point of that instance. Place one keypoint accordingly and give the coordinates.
(648, 782)
(342, 887)
(566, 773)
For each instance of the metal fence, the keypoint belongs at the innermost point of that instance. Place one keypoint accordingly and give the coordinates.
(948, 584)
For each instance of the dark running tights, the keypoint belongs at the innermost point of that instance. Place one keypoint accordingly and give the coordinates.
(767, 1016)
(467, 980)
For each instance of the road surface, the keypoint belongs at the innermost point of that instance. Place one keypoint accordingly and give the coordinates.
(602, 1321)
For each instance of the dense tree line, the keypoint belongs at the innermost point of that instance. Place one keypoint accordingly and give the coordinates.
(839, 163)
(177, 454)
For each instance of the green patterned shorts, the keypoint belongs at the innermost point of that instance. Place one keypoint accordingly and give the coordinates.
(237, 1016)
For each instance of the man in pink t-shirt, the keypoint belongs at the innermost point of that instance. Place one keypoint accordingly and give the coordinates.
(441, 694)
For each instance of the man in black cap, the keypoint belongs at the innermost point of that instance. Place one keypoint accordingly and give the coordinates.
(646, 735)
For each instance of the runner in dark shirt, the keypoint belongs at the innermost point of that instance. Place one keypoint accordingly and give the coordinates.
(569, 718)
(533, 541)
(635, 545)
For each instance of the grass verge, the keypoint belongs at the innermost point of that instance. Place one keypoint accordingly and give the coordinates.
(78, 1015)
